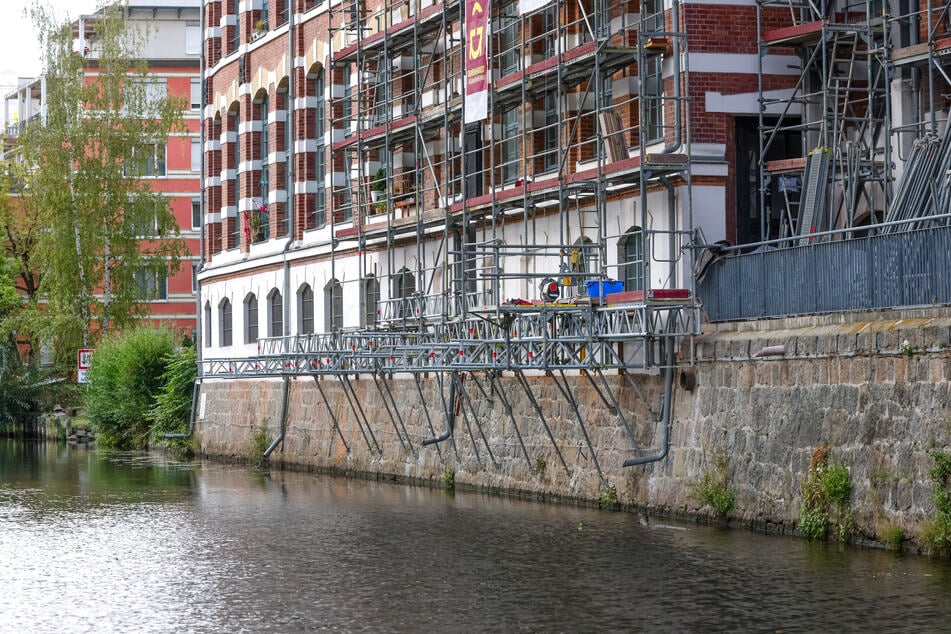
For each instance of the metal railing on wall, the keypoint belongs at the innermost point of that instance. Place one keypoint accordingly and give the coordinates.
(873, 272)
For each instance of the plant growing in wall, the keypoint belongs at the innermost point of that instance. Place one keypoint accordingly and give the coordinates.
(608, 497)
(449, 478)
(936, 533)
(713, 488)
(826, 497)
(260, 441)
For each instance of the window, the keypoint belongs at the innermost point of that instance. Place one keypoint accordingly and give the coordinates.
(148, 160)
(275, 309)
(383, 101)
(549, 30)
(192, 38)
(631, 259)
(250, 318)
(235, 43)
(146, 227)
(506, 26)
(207, 325)
(371, 300)
(155, 91)
(195, 266)
(196, 213)
(265, 147)
(320, 153)
(607, 91)
(224, 322)
(194, 93)
(653, 99)
(404, 286)
(584, 263)
(196, 155)
(510, 145)
(284, 8)
(265, 15)
(152, 283)
(305, 302)
(333, 306)
(551, 151)
(236, 161)
(653, 15)
(347, 106)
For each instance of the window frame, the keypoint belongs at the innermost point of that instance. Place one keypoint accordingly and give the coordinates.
(333, 306)
(225, 323)
(275, 309)
(305, 304)
(148, 279)
(250, 318)
(510, 143)
(371, 301)
(207, 320)
(652, 99)
(631, 262)
(193, 29)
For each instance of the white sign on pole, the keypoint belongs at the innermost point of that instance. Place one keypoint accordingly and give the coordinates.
(83, 363)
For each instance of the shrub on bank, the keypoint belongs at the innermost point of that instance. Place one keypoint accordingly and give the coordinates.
(26, 388)
(173, 402)
(123, 384)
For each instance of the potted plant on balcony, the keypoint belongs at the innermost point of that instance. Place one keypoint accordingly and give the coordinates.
(378, 186)
(260, 28)
(254, 220)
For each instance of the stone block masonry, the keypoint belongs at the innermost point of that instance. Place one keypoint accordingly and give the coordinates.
(485, 451)
(874, 388)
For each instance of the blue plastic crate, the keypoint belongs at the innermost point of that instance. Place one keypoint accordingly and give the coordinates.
(600, 288)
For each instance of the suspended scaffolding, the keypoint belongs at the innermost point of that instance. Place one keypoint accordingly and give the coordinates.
(495, 235)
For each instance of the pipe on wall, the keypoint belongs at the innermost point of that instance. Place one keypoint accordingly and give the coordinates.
(665, 415)
(280, 436)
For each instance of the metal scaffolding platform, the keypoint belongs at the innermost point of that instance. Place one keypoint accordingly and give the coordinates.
(492, 230)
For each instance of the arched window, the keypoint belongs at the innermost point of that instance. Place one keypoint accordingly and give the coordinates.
(333, 306)
(305, 307)
(275, 314)
(250, 318)
(371, 300)
(224, 322)
(404, 286)
(584, 262)
(630, 257)
(207, 321)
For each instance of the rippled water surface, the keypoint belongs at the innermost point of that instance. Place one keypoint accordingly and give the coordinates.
(97, 542)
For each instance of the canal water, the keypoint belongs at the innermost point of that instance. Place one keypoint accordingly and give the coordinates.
(92, 541)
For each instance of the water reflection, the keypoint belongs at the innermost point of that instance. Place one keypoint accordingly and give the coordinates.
(133, 542)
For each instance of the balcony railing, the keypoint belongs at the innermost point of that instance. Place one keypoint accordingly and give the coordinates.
(888, 270)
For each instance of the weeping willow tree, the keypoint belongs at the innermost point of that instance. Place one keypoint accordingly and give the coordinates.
(105, 231)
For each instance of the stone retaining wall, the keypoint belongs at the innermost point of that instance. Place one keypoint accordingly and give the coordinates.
(874, 388)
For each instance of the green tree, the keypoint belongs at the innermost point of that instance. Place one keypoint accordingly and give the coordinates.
(23, 386)
(83, 168)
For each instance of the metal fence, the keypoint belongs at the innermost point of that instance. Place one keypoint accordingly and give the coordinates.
(911, 268)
